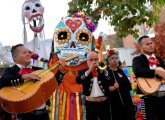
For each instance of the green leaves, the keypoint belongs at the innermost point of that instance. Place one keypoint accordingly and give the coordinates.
(123, 14)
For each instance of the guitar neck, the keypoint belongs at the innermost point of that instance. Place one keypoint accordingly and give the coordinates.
(56, 64)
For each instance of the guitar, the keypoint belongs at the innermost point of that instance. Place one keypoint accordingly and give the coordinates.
(150, 85)
(31, 94)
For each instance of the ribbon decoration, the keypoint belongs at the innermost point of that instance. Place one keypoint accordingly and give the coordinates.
(83, 106)
(57, 103)
(63, 105)
(68, 107)
(78, 106)
(60, 105)
(71, 105)
(53, 105)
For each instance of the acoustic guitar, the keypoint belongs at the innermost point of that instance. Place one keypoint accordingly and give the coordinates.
(31, 94)
(150, 85)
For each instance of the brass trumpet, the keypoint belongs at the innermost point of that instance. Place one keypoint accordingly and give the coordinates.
(102, 65)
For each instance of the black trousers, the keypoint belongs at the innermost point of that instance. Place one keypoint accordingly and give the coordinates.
(95, 110)
(4, 115)
(154, 107)
(34, 115)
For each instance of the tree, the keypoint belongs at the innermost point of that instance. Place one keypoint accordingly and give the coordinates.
(160, 40)
(122, 14)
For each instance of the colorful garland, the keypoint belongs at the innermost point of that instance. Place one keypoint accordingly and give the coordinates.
(35, 56)
(135, 97)
(90, 25)
(137, 102)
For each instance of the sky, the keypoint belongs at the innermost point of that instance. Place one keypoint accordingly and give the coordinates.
(11, 26)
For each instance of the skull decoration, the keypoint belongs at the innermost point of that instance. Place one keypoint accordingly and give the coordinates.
(72, 37)
(33, 11)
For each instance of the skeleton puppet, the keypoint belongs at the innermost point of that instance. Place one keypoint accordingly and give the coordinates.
(72, 36)
(32, 14)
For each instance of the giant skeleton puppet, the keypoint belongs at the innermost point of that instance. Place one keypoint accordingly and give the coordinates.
(32, 15)
(72, 36)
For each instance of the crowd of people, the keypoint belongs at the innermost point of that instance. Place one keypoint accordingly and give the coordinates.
(106, 91)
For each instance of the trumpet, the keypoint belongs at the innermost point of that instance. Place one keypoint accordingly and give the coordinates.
(102, 65)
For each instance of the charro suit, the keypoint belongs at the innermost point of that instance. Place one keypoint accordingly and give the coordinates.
(154, 105)
(141, 67)
(95, 110)
(11, 77)
(87, 81)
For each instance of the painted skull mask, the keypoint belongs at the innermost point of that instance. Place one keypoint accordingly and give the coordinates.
(72, 37)
(33, 11)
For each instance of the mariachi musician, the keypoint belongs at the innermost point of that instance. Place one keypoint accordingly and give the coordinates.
(95, 88)
(146, 66)
(21, 72)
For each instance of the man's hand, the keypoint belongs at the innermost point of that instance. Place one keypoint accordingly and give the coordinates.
(160, 72)
(62, 64)
(116, 85)
(30, 77)
(92, 67)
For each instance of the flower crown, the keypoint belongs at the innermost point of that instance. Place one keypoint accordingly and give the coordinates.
(112, 52)
(90, 25)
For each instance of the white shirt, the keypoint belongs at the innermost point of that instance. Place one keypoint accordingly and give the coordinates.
(154, 66)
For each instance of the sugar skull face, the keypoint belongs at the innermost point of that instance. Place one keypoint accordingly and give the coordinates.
(71, 37)
(33, 11)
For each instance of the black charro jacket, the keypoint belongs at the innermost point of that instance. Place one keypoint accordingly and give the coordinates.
(11, 76)
(141, 68)
(87, 82)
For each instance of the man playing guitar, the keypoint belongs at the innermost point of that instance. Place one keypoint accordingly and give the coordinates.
(20, 73)
(148, 65)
